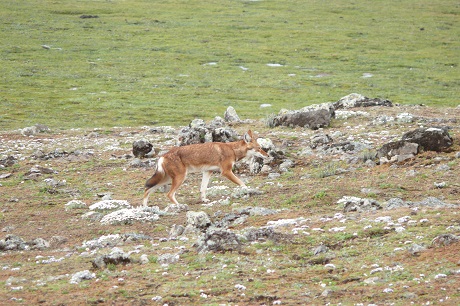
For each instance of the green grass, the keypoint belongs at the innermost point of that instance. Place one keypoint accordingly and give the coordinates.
(145, 63)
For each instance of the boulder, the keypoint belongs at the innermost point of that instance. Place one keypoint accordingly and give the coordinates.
(141, 148)
(430, 139)
(313, 119)
(230, 115)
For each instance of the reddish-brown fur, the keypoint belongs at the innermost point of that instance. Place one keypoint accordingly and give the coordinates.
(206, 157)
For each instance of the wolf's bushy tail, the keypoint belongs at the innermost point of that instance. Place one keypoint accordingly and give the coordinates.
(156, 180)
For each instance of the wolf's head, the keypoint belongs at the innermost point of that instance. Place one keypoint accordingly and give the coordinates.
(253, 147)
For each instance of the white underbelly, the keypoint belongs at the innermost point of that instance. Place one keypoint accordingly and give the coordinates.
(202, 168)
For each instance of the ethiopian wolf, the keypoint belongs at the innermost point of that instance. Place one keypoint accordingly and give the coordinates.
(204, 157)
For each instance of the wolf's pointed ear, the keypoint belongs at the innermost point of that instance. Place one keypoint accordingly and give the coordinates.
(247, 137)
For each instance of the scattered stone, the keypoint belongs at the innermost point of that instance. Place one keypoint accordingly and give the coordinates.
(359, 204)
(5, 175)
(199, 220)
(56, 241)
(320, 140)
(115, 257)
(144, 259)
(142, 148)
(416, 249)
(8, 161)
(176, 208)
(440, 185)
(81, 276)
(397, 151)
(12, 243)
(199, 132)
(110, 205)
(320, 249)
(256, 211)
(405, 118)
(445, 240)
(218, 241)
(176, 231)
(263, 234)
(130, 215)
(39, 244)
(75, 204)
(167, 259)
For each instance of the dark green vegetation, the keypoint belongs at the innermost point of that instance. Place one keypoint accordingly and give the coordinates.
(167, 62)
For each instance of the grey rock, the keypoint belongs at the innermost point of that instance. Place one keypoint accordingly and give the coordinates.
(359, 204)
(144, 259)
(81, 276)
(8, 161)
(230, 115)
(231, 220)
(141, 148)
(256, 211)
(255, 164)
(116, 257)
(198, 219)
(199, 132)
(176, 208)
(176, 230)
(167, 259)
(320, 249)
(427, 202)
(75, 204)
(416, 249)
(430, 139)
(309, 119)
(398, 150)
(58, 241)
(262, 234)
(445, 240)
(39, 244)
(357, 100)
(320, 140)
(286, 165)
(12, 243)
(218, 241)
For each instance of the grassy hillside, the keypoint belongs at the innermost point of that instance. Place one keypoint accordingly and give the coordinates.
(145, 62)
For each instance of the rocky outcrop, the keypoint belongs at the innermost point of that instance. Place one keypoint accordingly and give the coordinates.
(313, 119)
(430, 139)
(357, 100)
